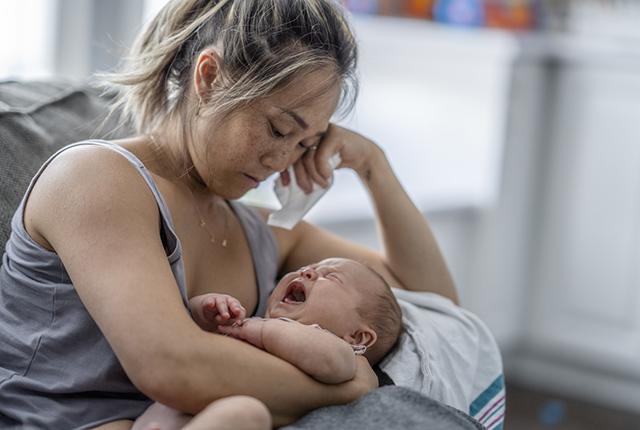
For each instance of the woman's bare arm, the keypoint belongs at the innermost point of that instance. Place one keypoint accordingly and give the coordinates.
(411, 257)
(317, 352)
(101, 218)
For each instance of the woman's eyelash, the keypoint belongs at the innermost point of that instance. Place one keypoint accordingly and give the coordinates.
(278, 135)
(275, 132)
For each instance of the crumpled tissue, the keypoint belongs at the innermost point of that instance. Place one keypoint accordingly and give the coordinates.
(295, 203)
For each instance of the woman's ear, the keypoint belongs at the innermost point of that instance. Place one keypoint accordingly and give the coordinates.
(365, 335)
(206, 73)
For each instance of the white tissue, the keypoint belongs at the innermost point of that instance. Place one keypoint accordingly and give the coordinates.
(295, 203)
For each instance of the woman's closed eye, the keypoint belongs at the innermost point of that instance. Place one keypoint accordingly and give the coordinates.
(276, 133)
(280, 135)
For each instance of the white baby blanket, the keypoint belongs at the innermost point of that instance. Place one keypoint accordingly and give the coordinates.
(448, 354)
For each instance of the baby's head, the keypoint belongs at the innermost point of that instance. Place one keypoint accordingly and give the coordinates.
(345, 297)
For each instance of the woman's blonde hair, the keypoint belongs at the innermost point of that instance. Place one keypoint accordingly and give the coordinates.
(263, 44)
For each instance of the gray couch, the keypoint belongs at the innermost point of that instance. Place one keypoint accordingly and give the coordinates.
(38, 118)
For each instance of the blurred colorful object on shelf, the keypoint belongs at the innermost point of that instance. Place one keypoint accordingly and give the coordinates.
(390, 7)
(419, 8)
(362, 6)
(510, 14)
(506, 14)
(469, 13)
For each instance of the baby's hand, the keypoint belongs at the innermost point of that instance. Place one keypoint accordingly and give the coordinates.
(222, 309)
(249, 330)
(213, 310)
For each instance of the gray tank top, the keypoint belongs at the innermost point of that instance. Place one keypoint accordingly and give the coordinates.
(57, 370)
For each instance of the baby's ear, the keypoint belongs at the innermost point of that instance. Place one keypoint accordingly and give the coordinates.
(363, 336)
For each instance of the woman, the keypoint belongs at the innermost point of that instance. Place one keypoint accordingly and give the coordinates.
(113, 238)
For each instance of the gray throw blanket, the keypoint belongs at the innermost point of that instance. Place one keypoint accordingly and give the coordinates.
(388, 408)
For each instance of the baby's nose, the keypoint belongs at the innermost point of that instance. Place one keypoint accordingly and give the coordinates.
(309, 273)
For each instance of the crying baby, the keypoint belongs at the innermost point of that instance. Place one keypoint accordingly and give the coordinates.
(344, 297)
(319, 318)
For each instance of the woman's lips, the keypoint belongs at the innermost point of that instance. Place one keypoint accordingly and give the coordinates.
(253, 181)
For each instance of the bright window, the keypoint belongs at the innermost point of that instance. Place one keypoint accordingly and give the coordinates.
(28, 38)
(151, 7)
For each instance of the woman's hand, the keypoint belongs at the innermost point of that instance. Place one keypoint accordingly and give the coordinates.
(365, 379)
(356, 152)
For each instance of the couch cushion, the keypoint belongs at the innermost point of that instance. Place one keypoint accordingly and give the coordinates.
(36, 119)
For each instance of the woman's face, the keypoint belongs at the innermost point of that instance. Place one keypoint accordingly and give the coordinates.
(236, 153)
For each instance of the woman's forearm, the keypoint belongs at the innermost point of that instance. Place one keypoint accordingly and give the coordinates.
(411, 251)
(210, 366)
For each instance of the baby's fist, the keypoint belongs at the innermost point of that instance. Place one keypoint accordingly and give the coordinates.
(211, 310)
(222, 309)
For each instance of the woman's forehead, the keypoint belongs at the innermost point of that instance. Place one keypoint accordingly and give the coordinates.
(308, 92)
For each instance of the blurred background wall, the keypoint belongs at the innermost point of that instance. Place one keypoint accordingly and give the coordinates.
(515, 127)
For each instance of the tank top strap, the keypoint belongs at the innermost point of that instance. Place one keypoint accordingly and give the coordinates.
(164, 209)
(25, 245)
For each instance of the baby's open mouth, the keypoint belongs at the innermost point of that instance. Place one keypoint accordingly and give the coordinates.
(295, 293)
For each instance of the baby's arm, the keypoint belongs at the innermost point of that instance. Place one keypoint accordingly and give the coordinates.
(212, 310)
(317, 352)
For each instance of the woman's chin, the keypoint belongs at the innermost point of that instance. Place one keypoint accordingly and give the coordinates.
(229, 193)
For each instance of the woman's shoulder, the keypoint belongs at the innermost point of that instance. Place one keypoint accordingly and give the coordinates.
(91, 171)
(84, 183)
(89, 154)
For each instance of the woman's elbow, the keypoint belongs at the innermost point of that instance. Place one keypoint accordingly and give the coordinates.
(337, 368)
(157, 377)
(165, 377)
(347, 367)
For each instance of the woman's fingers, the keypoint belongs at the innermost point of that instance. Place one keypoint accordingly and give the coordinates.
(365, 374)
(329, 145)
(285, 177)
(310, 159)
(314, 164)
(307, 173)
(302, 177)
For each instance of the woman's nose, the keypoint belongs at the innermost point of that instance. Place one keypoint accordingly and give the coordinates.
(278, 160)
(309, 273)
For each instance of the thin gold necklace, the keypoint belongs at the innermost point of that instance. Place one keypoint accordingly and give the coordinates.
(203, 223)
